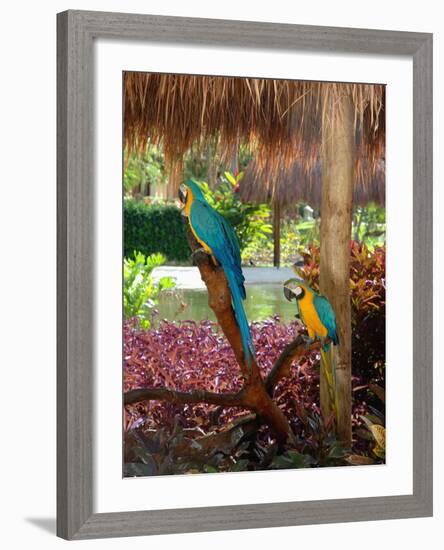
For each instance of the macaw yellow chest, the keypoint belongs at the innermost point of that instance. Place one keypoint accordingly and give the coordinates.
(188, 213)
(310, 317)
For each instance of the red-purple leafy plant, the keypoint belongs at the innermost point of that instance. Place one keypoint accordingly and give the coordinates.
(188, 356)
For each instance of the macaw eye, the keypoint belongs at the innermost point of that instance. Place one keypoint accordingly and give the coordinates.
(298, 291)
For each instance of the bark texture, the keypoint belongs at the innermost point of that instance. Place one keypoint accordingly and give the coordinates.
(338, 151)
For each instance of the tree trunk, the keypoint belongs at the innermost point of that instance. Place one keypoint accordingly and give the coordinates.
(175, 179)
(276, 234)
(212, 166)
(234, 163)
(358, 224)
(336, 223)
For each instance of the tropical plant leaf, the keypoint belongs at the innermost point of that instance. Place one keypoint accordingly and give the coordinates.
(359, 460)
(136, 469)
(378, 433)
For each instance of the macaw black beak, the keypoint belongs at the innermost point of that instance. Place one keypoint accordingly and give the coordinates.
(183, 194)
(289, 294)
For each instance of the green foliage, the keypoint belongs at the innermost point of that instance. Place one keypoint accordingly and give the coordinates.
(144, 170)
(250, 222)
(154, 228)
(290, 459)
(177, 450)
(307, 231)
(148, 167)
(369, 225)
(139, 292)
(206, 164)
(295, 236)
(298, 235)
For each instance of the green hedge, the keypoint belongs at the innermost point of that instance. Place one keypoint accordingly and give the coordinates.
(154, 228)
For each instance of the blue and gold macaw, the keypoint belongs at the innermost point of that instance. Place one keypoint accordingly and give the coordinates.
(317, 314)
(218, 239)
(314, 310)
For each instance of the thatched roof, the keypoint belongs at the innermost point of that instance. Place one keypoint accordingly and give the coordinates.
(280, 120)
(294, 183)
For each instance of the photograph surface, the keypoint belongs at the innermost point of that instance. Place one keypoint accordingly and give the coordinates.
(253, 274)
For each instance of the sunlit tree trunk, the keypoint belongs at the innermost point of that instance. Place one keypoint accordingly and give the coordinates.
(338, 151)
(175, 179)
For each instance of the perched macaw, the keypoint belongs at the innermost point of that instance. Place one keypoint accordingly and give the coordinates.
(218, 239)
(316, 313)
(314, 310)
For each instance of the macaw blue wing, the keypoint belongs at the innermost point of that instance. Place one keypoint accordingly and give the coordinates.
(232, 238)
(218, 235)
(326, 316)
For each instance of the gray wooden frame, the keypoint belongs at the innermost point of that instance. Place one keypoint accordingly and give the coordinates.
(76, 32)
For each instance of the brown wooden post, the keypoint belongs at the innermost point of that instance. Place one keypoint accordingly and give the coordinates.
(276, 233)
(234, 163)
(175, 179)
(338, 151)
(212, 166)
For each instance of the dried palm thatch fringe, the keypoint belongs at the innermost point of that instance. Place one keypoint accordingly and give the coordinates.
(280, 120)
(287, 186)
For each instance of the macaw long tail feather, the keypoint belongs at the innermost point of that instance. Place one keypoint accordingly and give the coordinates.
(241, 318)
(328, 363)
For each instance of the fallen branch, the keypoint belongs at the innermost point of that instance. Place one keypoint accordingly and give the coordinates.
(183, 398)
(238, 430)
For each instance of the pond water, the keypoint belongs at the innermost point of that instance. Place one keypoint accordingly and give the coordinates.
(263, 301)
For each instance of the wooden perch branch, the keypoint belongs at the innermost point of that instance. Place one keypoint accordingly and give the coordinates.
(292, 351)
(255, 394)
(183, 398)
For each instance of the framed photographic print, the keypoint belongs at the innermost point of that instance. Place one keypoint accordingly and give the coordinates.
(244, 274)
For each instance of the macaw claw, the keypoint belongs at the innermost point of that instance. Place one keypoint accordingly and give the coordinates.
(200, 250)
(199, 253)
(308, 341)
